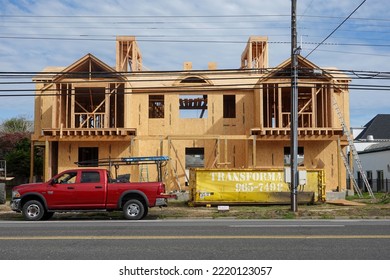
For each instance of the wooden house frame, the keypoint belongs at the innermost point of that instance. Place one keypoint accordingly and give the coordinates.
(211, 118)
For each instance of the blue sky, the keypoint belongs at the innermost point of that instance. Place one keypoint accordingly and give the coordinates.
(39, 33)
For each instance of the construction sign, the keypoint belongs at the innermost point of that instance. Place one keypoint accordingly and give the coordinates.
(250, 186)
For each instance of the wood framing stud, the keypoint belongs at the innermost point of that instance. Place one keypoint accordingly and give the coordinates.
(128, 55)
(255, 54)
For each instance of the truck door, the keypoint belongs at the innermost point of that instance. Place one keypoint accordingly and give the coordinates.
(90, 192)
(60, 191)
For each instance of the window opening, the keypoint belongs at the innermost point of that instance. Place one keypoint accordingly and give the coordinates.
(89, 155)
(193, 106)
(380, 180)
(117, 107)
(156, 106)
(193, 80)
(369, 177)
(287, 156)
(90, 110)
(229, 106)
(360, 180)
(194, 158)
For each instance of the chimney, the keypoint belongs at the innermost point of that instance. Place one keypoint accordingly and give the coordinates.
(187, 65)
(212, 66)
(128, 55)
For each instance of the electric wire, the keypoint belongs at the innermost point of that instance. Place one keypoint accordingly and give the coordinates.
(227, 77)
(178, 19)
(342, 23)
(130, 16)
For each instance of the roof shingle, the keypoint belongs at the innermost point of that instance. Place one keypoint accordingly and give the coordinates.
(378, 127)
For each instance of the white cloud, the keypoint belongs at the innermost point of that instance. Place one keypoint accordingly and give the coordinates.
(201, 20)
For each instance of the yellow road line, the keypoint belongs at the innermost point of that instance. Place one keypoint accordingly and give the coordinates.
(169, 237)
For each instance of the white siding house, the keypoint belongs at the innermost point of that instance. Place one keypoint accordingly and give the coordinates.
(373, 146)
(376, 162)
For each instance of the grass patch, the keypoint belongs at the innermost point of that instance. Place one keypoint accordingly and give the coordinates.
(384, 199)
(356, 197)
(289, 215)
(374, 209)
(380, 198)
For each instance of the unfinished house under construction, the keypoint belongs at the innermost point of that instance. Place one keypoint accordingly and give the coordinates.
(215, 119)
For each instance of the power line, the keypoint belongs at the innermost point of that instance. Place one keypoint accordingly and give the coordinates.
(185, 91)
(336, 28)
(44, 23)
(230, 81)
(143, 16)
(355, 53)
(155, 25)
(195, 41)
(187, 16)
(275, 71)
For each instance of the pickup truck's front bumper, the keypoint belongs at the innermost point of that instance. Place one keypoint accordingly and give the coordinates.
(15, 205)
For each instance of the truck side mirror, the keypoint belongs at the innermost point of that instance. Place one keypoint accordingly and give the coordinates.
(53, 182)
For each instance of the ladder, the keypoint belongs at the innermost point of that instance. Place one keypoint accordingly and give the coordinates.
(350, 173)
(354, 153)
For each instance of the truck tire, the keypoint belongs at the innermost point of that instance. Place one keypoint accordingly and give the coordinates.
(145, 212)
(33, 210)
(133, 210)
(2, 193)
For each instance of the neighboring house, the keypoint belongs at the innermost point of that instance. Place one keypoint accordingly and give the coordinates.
(210, 118)
(376, 163)
(360, 145)
(373, 146)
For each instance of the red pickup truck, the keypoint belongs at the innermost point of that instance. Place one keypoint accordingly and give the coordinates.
(87, 189)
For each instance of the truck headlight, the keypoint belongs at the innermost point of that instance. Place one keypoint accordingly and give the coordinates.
(15, 194)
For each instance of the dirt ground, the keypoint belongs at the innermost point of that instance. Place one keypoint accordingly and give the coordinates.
(317, 211)
(358, 209)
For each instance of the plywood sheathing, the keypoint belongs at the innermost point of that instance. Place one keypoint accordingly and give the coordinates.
(343, 202)
(250, 139)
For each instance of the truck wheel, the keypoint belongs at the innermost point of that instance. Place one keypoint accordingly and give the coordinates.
(2, 193)
(145, 212)
(133, 210)
(33, 210)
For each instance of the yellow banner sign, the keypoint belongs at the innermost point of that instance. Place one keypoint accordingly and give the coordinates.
(244, 185)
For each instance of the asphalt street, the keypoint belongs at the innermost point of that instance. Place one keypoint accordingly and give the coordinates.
(196, 239)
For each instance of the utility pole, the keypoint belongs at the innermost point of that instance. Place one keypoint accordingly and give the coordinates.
(294, 109)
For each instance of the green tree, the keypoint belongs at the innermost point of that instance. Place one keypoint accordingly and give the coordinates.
(18, 160)
(15, 148)
(16, 125)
